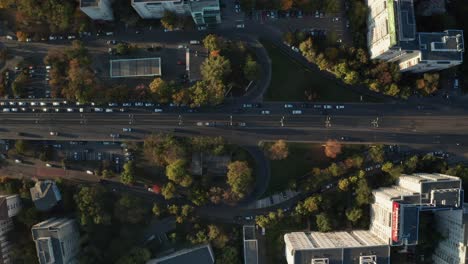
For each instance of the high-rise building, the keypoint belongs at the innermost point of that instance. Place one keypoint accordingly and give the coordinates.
(203, 12)
(57, 241)
(97, 9)
(394, 222)
(10, 205)
(392, 36)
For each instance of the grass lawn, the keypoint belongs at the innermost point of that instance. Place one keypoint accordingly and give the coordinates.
(301, 159)
(290, 80)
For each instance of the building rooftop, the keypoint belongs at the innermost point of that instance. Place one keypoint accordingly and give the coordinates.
(250, 245)
(86, 3)
(45, 195)
(447, 45)
(200, 255)
(406, 20)
(135, 67)
(341, 239)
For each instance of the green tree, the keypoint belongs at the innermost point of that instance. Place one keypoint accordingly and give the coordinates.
(157, 210)
(354, 215)
(411, 164)
(323, 222)
(311, 204)
(20, 147)
(213, 42)
(377, 153)
(207, 93)
(352, 77)
(229, 255)
(239, 177)
(251, 69)
(307, 49)
(392, 90)
(161, 90)
(122, 49)
(332, 6)
(169, 20)
(128, 175)
(130, 209)
(217, 236)
(336, 170)
(215, 68)
(136, 255)
(343, 184)
(93, 205)
(363, 193)
(168, 191)
(176, 170)
(279, 150)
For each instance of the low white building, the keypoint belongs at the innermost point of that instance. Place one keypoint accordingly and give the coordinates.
(97, 9)
(203, 12)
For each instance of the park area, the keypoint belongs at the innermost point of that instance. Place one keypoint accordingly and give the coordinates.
(291, 81)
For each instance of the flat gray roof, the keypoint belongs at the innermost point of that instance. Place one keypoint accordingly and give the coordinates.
(84, 3)
(406, 20)
(442, 46)
(135, 67)
(199, 255)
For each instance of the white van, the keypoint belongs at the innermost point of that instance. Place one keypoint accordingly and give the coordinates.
(194, 42)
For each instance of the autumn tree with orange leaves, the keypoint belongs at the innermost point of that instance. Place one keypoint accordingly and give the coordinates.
(332, 148)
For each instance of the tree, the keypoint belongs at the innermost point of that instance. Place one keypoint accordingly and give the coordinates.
(392, 90)
(93, 206)
(161, 90)
(279, 150)
(354, 215)
(411, 164)
(20, 146)
(239, 177)
(336, 170)
(213, 43)
(136, 255)
(377, 153)
(217, 236)
(229, 254)
(352, 77)
(307, 49)
(128, 175)
(251, 69)
(168, 191)
(122, 49)
(363, 192)
(130, 209)
(286, 4)
(215, 68)
(323, 222)
(332, 148)
(289, 38)
(343, 184)
(157, 210)
(21, 36)
(207, 93)
(169, 20)
(429, 83)
(332, 6)
(312, 203)
(176, 171)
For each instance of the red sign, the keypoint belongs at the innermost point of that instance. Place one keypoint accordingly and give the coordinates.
(395, 221)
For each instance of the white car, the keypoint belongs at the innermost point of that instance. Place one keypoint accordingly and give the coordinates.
(294, 48)
(340, 107)
(158, 110)
(89, 172)
(327, 107)
(33, 103)
(297, 112)
(6, 110)
(98, 109)
(21, 103)
(56, 103)
(109, 110)
(14, 109)
(43, 103)
(288, 106)
(265, 112)
(127, 129)
(70, 110)
(53, 133)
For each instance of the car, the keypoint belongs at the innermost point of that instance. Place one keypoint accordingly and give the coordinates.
(149, 104)
(247, 105)
(158, 110)
(263, 231)
(18, 161)
(127, 104)
(21, 103)
(179, 62)
(242, 124)
(257, 105)
(139, 104)
(299, 14)
(57, 146)
(240, 26)
(70, 110)
(201, 28)
(249, 218)
(56, 103)
(48, 165)
(194, 42)
(327, 107)
(53, 133)
(265, 112)
(89, 172)
(6, 110)
(113, 104)
(317, 106)
(109, 33)
(294, 48)
(339, 107)
(127, 129)
(42, 103)
(98, 109)
(28, 39)
(23, 109)
(109, 110)
(112, 135)
(14, 109)
(297, 112)
(33, 103)
(288, 106)
(70, 37)
(45, 109)
(455, 84)
(339, 40)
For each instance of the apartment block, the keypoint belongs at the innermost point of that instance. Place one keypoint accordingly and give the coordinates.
(392, 36)
(45, 195)
(203, 12)
(394, 222)
(10, 206)
(57, 241)
(97, 9)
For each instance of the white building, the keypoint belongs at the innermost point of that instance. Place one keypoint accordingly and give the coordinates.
(394, 222)
(57, 241)
(97, 9)
(392, 36)
(203, 12)
(10, 206)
